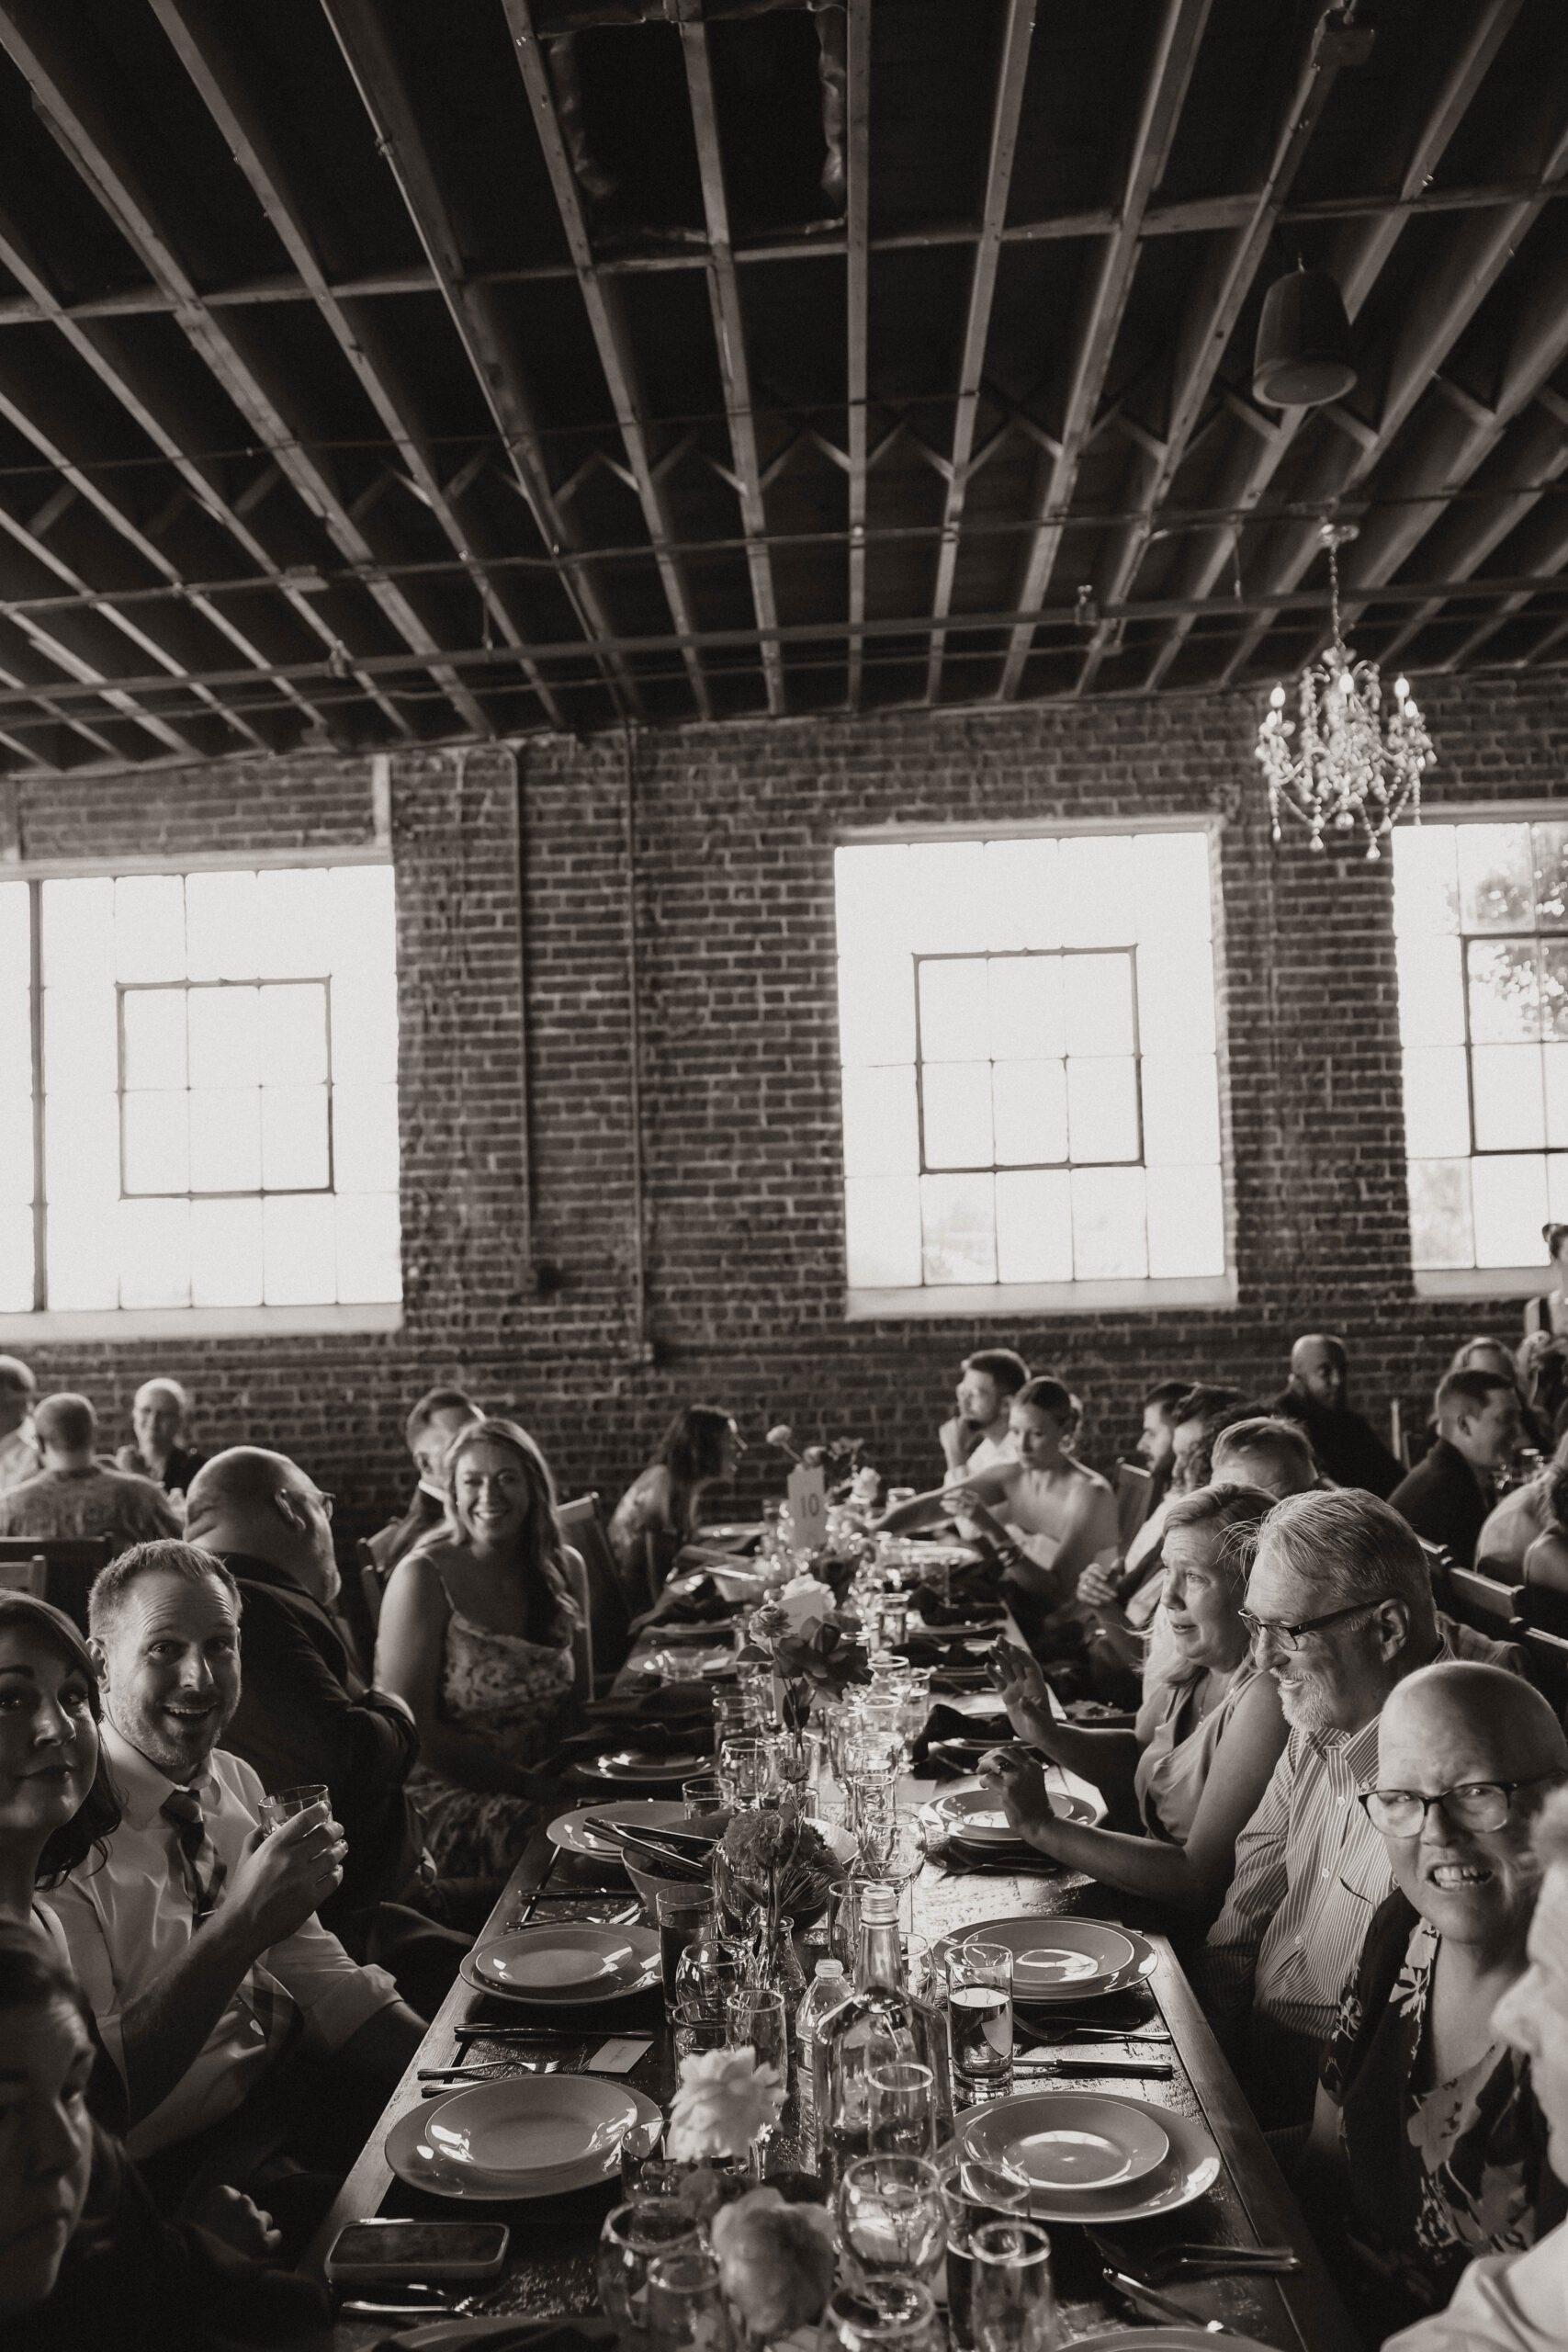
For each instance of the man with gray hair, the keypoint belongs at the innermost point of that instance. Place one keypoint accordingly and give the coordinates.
(1340, 1603)
(19, 1455)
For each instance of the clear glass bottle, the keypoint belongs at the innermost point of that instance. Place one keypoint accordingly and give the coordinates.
(879, 2020)
(829, 1989)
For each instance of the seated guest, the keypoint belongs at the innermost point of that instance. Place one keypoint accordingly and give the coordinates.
(1269, 1452)
(74, 1494)
(19, 1455)
(1518, 2302)
(1348, 1449)
(56, 1802)
(1156, 1440)
(192, 1933)
(431, 1426)
(1048, 1515)
(158, 1415)
(1524, 1514)
(85, 2257)
(658, 1513)
(1428, 2146)
(482, 1635)
(1340, 1608)
(1484, 1355)
(1206, 1740)
(1449, 1494)
(977, 1435)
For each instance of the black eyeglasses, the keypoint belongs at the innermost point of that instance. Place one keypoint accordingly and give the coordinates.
(1474, 1804)
(1289, 1637)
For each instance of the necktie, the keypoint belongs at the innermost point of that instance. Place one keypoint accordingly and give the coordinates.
(202, 1867)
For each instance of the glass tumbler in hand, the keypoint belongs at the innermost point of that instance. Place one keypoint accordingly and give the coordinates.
(1012, 2302)
(274, 1811)
(632, 2239)
(891, 2220)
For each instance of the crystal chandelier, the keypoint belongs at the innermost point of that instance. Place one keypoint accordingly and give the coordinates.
(1348, 769)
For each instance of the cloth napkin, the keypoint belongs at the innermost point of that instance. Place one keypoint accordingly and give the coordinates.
(946, 1723)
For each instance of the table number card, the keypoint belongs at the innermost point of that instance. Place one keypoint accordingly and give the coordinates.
(809, 1508)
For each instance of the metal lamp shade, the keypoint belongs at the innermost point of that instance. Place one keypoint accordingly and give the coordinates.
(1303, 355)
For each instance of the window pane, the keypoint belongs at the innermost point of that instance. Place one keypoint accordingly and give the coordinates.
(83, 1263)
(291, 924)
(880, 1138)
(1431, 990)
(365, 1026)
(294, 1137)
(1171, 887)
(369, 1264)
(223, 1050)
(150, 927)
(1176, 996)
(1495, 882)
(872, 897)
(1030, 1113)
(1426, 879)
(882, 1231)
(361, 918)
(1103, 1108)
(1509, 1114)
(16, 947)
(1027, 1014)
(15, 1263)
(1181, 1110)
(1098, 994)
(1549, 843)
(1021, 889)
(1510, 1209)
(226, 1253)
(156, 1143)
(15, 1161)
(957, 1101)
(81, 1149)
(1096, 882)
(948, 909)
(1108, 1225)
(1441, 1233)
(1555, 1061)
(81, 1050)
(298, 1249)
(877, 1015)
(153, 1023)
(293, 1034)
(1554, 988)
(364, 1138)
(1557, 1186)
(154, 1253)
(1186, 1222)
(1034, 1227)
(78, 934)
(225, 1139)
(958, 1228)
(1436, 1101)
(954, 1009)
(1505, 999)
(221, 926)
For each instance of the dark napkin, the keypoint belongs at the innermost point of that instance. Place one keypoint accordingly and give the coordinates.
(962, 1610)
(702, 1604)
(946, 1723)
(648, 1701)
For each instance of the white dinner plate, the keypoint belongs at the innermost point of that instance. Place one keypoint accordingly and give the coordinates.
(689, 1664)
(1089, 2140)
(640, 1764)
(1062, 1959)
(979, 1815)
(727, 1531)
(516, 2129)
(576, 1963)
(415, 2157)
(571, 1833)
(1189, 2169)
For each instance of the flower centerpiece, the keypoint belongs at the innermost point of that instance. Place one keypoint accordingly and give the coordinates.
(772, 1870)
(842, 1460)
(814, 1647)
(724, 2098)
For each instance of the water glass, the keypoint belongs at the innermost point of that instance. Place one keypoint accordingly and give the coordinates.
(891, 2221)
(646, 2175)
(729, 1719)
(748, 1771)
(686, 1914)
(920, 1967)
(631, 2241)
(707, 1977)
(979, 2021)
(758, 2021)
(973, 2193)
(273, 1812)
(900, 2108)
(1012, 2304)
(701, 1796)
(696, 2037)
(914, 1708)
(891, 2315)
(686, 2310)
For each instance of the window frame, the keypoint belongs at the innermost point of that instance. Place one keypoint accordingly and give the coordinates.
(1006, 1301)
(44, 1325)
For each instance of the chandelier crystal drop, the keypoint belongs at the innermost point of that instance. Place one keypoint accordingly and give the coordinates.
(1348, 767)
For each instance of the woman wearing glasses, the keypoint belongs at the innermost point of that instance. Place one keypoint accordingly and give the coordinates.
(1428, 2146)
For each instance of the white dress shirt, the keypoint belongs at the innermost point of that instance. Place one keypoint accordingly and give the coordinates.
(129, 1918)
(19, 1457)
(1504, 2303)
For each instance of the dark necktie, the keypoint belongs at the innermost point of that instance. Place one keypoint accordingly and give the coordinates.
(202, 1867)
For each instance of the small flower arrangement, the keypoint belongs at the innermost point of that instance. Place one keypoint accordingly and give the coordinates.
(724, 2099)
(773, 1866)
(850, 1476)
(814, 1645)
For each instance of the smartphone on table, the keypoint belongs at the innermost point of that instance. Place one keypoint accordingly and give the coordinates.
(366, 2253)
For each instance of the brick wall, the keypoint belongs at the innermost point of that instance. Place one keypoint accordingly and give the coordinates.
(521, 1277)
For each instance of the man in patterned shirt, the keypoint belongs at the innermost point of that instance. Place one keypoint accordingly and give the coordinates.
(76, 1494)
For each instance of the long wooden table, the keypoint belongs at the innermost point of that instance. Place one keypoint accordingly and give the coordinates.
(551, 2267)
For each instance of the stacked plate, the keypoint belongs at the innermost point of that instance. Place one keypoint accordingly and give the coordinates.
(646, 1767)
(574, 1965)
(1090, 2157)
(571, 1833)
(1061, 1961)
(973, 1821)
(530, 2136)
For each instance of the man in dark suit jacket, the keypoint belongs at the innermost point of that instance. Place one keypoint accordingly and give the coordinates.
(432, 1424)
(1348, 1449)
(1447, 1494)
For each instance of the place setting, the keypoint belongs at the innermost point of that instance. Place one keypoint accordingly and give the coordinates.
(518, 2139)
(572, 1965)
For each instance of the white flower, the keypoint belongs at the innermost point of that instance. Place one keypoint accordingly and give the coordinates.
(806, 1602)
(865, 1483)
(724, 2099)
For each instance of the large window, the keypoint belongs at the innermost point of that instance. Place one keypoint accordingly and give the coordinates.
(198, 1091)
(1481, 916)
(1030, 1087)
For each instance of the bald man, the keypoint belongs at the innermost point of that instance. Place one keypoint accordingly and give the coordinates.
(1348, 1449)
(1427, 2145)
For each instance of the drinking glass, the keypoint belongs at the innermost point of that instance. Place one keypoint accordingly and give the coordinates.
(273, 1812)
(900, 2110)
(914, 1708)
(919, 1969)
(746, 1770)
(979, 2015)
(891, 2222)
(1013, 2305)
(686, 2310)
(973, 2193)
(695, 2036)
(701, 1796)
(891, 2315)
(729, 1719)
(758, 2021)
(632, 2239)
(646, 2175)
(684, 1913)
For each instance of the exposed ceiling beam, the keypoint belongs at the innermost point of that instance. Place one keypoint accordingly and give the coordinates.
(729, 335)
(1103, 298)
(857, 294)
(361, 33)
(1012, 71)
(612, 338)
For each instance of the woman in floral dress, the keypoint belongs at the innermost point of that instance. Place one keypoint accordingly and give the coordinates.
(480, 1636)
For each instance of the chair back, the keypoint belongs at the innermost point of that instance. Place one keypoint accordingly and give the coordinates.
(60, 1568)
(1543, 1606)
(1549, 1664)
(583, 1642)
(1484, 1601)
(608, 1613)
(1133, 1487)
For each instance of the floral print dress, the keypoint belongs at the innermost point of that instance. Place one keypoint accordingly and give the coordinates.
(1439, 2172)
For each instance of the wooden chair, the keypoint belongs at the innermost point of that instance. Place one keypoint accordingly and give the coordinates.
(1133, 1485)
(608, 1610)
(60, 1568)
(1544, 1607)
(1548, 1655)
(1486, 1603)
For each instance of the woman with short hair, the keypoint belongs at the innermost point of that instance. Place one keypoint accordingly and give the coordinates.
(658, 1513)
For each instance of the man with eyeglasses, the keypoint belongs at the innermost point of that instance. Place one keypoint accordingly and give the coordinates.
(1428, 2144)
(1340, 1605)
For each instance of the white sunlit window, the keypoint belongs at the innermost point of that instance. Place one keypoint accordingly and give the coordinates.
(1481, 912)
(220, 1119)
(1030, 1084)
